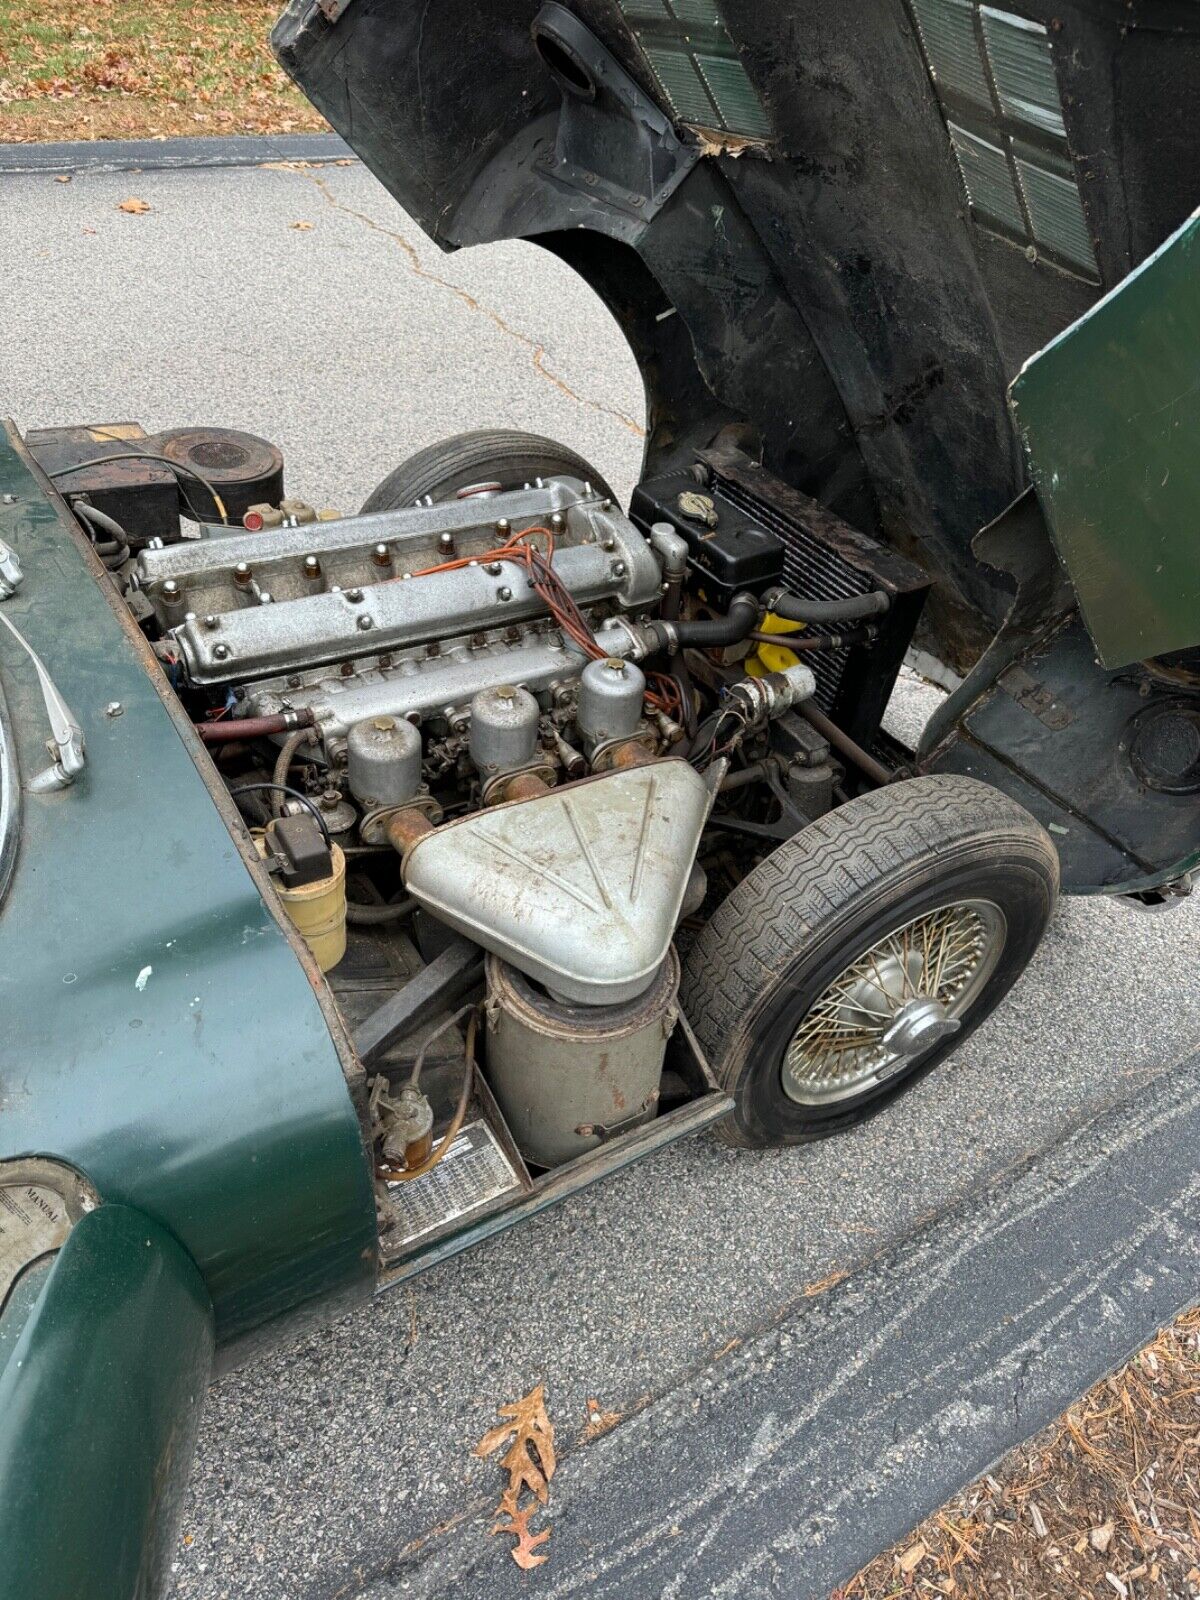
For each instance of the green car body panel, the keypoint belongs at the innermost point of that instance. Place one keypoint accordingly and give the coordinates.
(162, 1033)
(1110, 416)
(100, 1401)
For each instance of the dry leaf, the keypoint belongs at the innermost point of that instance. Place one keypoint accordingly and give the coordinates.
(302, 227)
(134, 206)
(529, 1462)
(913, 1557)
(523, 1551)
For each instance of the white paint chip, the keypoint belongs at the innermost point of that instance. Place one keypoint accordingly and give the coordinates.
(143, 978)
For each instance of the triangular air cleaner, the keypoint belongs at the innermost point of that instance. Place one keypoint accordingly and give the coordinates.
(579, 889)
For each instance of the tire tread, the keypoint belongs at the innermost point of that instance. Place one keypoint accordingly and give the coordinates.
(815, 876)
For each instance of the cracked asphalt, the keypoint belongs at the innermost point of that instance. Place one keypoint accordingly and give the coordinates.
(352, 342)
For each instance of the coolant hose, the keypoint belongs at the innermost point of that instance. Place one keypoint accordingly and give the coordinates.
(253, 727)
(793, 609)
(709, 632)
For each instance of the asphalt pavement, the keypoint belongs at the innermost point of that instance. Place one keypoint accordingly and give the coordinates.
(302, 305)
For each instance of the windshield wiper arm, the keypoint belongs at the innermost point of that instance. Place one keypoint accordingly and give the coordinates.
(68, 757)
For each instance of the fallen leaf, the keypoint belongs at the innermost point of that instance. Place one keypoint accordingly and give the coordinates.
(134, 206)
(302, 227)
(523, 1551)
(913, 1557)
(1100, 1538)
(529, 1462)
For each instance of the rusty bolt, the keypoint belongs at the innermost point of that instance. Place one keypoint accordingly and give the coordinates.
(171, 591)
(312, 567)
(381, 556)
(558, 522)
(445, 544)
(241, 573)
(503, 526)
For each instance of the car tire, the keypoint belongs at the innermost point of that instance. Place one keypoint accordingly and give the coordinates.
(832, 943)
(491, 455)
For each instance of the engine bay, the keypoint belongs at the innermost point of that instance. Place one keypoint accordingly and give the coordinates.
(502, 749)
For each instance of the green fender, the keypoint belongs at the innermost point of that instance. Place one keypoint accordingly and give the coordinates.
(100, 1401)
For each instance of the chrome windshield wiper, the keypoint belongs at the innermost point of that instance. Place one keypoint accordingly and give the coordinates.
(66, 745)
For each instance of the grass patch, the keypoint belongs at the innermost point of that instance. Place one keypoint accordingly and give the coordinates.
(124, 69)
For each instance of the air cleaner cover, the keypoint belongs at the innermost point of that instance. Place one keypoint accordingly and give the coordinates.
(579, 889)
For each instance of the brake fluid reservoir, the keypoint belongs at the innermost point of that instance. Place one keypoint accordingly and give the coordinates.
(567, 1076)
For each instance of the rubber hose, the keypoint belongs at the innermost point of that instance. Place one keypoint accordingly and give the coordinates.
(793, 609)
(372, 916)
(252, 727)
(708, 633)
(113, 551)
(816, 641)
(101, 520)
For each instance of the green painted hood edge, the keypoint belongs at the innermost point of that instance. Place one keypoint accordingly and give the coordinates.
(164, 1031)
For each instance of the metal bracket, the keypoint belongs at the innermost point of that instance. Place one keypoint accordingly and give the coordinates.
(1029, 693)
(604, 1131)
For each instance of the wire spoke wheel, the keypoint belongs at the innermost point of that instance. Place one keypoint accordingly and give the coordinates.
(858, 955)
(905, 993)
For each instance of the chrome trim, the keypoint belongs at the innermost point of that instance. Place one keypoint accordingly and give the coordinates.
(10, 799)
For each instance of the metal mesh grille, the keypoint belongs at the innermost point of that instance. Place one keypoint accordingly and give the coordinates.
(811, 569)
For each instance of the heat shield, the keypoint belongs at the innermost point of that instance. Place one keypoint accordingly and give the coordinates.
(580, 889)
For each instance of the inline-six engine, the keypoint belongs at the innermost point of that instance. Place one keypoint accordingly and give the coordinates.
(464, 677)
